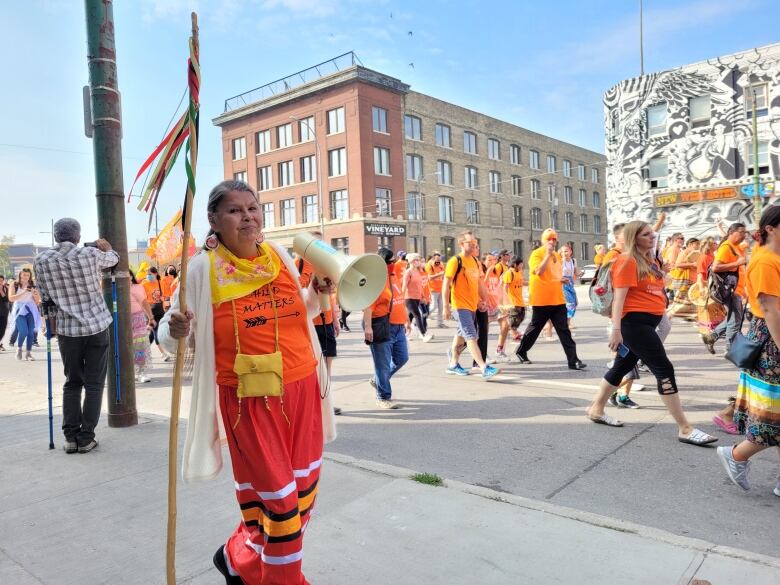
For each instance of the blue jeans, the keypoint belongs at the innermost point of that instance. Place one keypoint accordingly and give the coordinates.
(25, 325)
(728, 328)
(389, 357)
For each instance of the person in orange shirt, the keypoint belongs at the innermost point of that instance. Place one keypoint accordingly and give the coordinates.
(465, 292)
(386, 316)
(412, 289)
(730, 258)
(494, 270)
(435, 270)
(154, 296)
(638, 305)
(512, 285)
(166, 285)
(545, 295)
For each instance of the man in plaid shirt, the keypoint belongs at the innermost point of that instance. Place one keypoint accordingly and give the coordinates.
(69, 278)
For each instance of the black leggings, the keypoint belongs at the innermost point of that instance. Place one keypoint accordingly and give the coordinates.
(413, 308)
(639, 335)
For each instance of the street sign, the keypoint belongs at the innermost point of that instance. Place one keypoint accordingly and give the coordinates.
(764, 190)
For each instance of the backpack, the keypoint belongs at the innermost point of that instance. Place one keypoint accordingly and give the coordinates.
(721, 285)
(601, 292)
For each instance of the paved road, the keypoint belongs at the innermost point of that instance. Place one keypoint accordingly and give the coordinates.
(525, 433)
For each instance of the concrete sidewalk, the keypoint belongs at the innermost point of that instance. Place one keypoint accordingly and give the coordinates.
(100, 518)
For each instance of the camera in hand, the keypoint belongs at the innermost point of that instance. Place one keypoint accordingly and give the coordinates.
(90, 244)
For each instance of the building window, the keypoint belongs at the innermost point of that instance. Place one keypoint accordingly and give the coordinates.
(594, 175)
(517, 215)
(385, 242)
(762, 99)
(412, 127)
(414, 206)
(517, 248)
(517, 185)
(286, 177)
(554, 220)
(568, 197)
(309, 208)
(494, 178)
(383, 198)
(447, 247)
(381, 160)
(444, 172)
(470, 177)
(472, 211)
(269, 220)
(581, 172)
(551, 192)
(584, 252)
(469, 142)
(306, 129)
(240, 176)
(336, 120)
(446, 210)
(337, 162)
(536, 218)
(340, 244)
(567, 168)
(339, 204)
(239, 148)
(514, 154)
(263, 141)
(596, 224)
(379, 119)
(569, 221)
(536, 189)
(763, 158)
(417, 244)
(656, 120)
(308, 169)
(658, 172)
(494, 149)
(533, 159)
(583, 198)
(265, 179)
(288, 212)
(699, 111)
(443, 136)
(550, 163)
(596, 199)
(284, 135)
(584, 223)
(414, 167)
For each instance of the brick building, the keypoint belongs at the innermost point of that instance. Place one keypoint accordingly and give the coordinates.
(403, 169)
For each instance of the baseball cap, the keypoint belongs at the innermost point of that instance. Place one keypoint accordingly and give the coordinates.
(494, 252)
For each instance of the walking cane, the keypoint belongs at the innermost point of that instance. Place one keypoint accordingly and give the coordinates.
(116, 337)
(47, 310)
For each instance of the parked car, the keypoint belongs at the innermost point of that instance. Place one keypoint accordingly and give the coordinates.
(588, 272)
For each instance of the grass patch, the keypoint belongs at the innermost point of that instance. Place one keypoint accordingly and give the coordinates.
(428, 478)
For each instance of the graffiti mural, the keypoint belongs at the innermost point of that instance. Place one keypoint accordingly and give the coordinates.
(702, 150)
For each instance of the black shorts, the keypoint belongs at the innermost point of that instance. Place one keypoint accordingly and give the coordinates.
(327, 336)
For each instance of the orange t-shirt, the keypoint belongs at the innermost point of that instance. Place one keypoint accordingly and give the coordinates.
(381, 305)
(426, 288)
(545, 289)
(493, 282)
(465, 288)
(763, 276)
(432, 269)
(152, 289)
(514, 287)
(727, 254)
(166, 284)
(256, 331)
(644, 296)
(414, 284)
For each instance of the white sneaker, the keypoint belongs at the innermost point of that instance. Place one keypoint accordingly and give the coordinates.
(29, 356)
(143, 379)
(637, 387)
(386, 404)
(168, 358)
(777, 487)
(427, 337)
(19, 354)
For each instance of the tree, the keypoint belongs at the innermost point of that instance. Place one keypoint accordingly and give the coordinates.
(5, 259)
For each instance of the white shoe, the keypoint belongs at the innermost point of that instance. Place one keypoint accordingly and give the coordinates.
(29, 357)
(144, 379)
(386, 404)
(427, 337)
(637, 387)
(168, 358)
(19, 354)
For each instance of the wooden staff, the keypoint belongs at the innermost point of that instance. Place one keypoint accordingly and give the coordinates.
(173, 439)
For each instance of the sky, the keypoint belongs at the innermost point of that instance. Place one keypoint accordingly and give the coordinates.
(541, 65)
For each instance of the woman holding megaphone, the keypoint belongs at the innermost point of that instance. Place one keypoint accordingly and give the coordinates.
(257, 364)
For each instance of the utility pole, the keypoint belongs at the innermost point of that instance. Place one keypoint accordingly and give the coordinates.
(756, 177)
(106, 130)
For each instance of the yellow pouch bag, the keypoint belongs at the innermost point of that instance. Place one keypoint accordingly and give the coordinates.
(259, 375)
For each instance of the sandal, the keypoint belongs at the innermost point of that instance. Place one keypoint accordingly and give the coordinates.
(697, 437)
(605, 419)
(728, 427)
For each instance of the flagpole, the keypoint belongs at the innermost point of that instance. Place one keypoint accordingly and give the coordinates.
(194, 88)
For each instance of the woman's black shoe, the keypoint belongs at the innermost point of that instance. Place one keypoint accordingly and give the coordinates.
(221, 565)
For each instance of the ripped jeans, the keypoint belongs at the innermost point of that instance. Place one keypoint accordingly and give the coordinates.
(640, 336)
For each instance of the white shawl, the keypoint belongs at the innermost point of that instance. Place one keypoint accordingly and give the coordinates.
(202, 447)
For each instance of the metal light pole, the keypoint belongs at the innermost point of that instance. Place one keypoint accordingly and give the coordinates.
(756, 178)
(106, 129)
(317, 170)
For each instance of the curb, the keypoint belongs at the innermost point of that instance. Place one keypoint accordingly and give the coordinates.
(648, 532)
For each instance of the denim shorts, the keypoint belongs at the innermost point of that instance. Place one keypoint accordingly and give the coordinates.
(467, 323)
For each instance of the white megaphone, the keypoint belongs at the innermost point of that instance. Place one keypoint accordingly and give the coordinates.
(359, 280)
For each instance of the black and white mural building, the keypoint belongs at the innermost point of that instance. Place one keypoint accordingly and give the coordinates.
(682, 141)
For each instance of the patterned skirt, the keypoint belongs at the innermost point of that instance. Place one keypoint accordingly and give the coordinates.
(757, 410)
(681, 304)
(142, 354)
(570, 293)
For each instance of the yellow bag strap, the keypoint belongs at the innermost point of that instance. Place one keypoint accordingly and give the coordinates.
(276, 319)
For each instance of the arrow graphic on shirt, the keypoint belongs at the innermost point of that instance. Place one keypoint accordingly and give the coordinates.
(255, 321)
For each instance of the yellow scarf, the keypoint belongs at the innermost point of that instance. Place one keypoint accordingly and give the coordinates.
(234, 278)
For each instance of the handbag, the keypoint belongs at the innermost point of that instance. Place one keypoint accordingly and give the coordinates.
(380, 326)
(744, 352)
